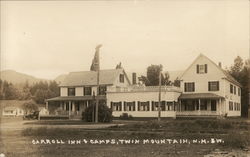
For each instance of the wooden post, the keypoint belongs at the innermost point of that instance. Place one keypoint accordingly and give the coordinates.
(159, 103)
(199, 107)
(47, 105)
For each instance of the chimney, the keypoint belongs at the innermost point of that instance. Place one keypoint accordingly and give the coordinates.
(220, 64)
(133, 78)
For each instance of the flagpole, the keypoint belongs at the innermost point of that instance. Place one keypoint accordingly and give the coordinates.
(159, 103)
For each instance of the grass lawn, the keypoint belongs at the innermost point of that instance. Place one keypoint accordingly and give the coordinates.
(234, 132)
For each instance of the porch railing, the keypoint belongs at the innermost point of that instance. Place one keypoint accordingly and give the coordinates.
(65, 113)
(197, 113)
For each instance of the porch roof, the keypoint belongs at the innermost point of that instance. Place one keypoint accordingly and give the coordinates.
(200, 96)
(72, 98)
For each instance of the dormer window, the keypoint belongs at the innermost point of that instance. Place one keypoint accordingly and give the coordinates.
(201, 68)
(121, 78)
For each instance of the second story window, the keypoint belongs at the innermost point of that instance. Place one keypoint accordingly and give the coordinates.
(189, 87)
(213, 86)
(102, 90)
(231, 89)
(201, 69)
(71, 92)
(87, 90)
(121, 78)
(239, 91)
(234, 90)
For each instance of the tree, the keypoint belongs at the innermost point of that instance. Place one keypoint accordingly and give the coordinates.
(237, 67)
(104, 113)
(8, 91)
(30, 107)
(152, 78)
(241, 72)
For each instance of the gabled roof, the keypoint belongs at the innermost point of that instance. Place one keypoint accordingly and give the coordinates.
(226, 74)
(89, 78)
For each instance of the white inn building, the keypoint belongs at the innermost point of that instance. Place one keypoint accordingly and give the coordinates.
(205, 90)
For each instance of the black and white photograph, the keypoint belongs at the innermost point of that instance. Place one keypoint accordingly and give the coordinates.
(126, 78)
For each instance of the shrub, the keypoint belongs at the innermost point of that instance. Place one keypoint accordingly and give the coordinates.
(104, 113)
(126, 116)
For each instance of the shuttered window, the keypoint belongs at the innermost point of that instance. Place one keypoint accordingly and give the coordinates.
(116, 106)
(201, 69)
(189, 87)
(213, 86)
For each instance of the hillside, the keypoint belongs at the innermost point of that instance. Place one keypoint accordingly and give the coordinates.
(17, 77)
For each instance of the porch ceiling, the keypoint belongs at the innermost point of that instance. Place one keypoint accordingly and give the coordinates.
(200, 96)
(72, 98)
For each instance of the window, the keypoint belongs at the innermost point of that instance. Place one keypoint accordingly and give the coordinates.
(231, 88)
(143, 106)
(235, 106)
(170, 106)
(234, 90)
(155, 106)
(213, 86)
(116, 106)
(87, 90)
(231, 107)
(201, 69)
(102, 90)
(129, 106)
(121, 78)
(189, 87)
(213, 105)
(239, 91)
(71, 92)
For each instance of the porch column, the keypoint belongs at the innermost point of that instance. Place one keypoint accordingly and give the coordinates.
(47, 105)
(73, 106)
(65, 106)
(69, 107)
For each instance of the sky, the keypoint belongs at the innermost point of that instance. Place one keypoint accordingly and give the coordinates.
(49, 38)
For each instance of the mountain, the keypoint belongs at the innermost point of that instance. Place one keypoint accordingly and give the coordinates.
(60, 78)
(18, 78)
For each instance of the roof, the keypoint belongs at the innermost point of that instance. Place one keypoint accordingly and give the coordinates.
(10, 108)
(227, 75)
(68, 98)
(200, 96)
(89, 78)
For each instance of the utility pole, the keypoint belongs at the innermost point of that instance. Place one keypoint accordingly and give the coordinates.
(98, 83)
(159, 103)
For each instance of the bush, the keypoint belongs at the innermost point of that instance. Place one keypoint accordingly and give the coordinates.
(126, 116)
(104, 113)
(30, 107)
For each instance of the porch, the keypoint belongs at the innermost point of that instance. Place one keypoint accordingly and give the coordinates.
(200, 104)
(70, 107)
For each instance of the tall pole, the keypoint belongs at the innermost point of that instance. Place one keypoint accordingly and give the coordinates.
(97, 92)
(159, 103)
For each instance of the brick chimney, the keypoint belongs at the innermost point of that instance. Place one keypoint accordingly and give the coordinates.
(133, 78)
(220, 64)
